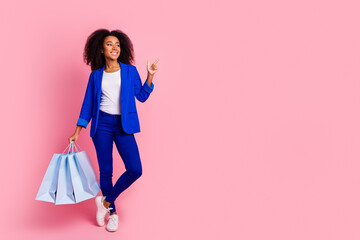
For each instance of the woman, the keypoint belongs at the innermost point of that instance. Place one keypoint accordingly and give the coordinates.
(110, 102)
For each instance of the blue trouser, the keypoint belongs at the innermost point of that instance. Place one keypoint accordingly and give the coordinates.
(109, 129)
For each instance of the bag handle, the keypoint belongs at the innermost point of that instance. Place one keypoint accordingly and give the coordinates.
(74, 144)
(71, 147)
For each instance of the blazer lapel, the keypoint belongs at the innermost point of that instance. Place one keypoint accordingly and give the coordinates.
(124, 82)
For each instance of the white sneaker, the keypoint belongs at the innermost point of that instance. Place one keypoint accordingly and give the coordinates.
(101, 210)
(113, 223)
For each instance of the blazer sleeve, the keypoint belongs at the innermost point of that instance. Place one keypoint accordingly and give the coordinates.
(87, 105)
(142, 91)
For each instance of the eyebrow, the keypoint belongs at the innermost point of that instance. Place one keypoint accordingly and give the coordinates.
(111, 42)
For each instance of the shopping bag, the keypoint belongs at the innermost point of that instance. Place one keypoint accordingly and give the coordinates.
(65, 191)
(47, 190)
(83, 178)
(70, 178)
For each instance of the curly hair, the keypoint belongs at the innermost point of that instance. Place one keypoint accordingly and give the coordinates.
(94, 44)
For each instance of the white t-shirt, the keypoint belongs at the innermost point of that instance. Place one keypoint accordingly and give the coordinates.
(110, 92)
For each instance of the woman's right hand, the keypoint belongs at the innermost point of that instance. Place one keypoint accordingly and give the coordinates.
(74, 137)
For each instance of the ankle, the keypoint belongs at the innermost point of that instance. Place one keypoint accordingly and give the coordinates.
(106, 204)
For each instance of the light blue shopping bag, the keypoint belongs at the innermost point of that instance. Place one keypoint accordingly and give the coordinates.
(47, 190)
(65, 190)
(83, 177)
(70, 178)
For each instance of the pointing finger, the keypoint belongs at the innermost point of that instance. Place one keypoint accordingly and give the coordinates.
(156, 61)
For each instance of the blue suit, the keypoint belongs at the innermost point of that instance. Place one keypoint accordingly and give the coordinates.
(131, 87)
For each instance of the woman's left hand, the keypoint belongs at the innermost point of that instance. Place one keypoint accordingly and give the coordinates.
(152, 68)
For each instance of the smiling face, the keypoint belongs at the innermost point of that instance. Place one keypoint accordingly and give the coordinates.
(111, 47)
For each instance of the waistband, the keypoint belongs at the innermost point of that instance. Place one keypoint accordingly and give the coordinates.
(102, 113)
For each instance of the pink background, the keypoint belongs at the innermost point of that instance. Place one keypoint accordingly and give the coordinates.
(252, 130)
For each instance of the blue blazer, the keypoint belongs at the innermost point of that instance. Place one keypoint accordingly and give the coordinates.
(131, 87)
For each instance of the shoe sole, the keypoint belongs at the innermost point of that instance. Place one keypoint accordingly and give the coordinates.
(111, 230)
